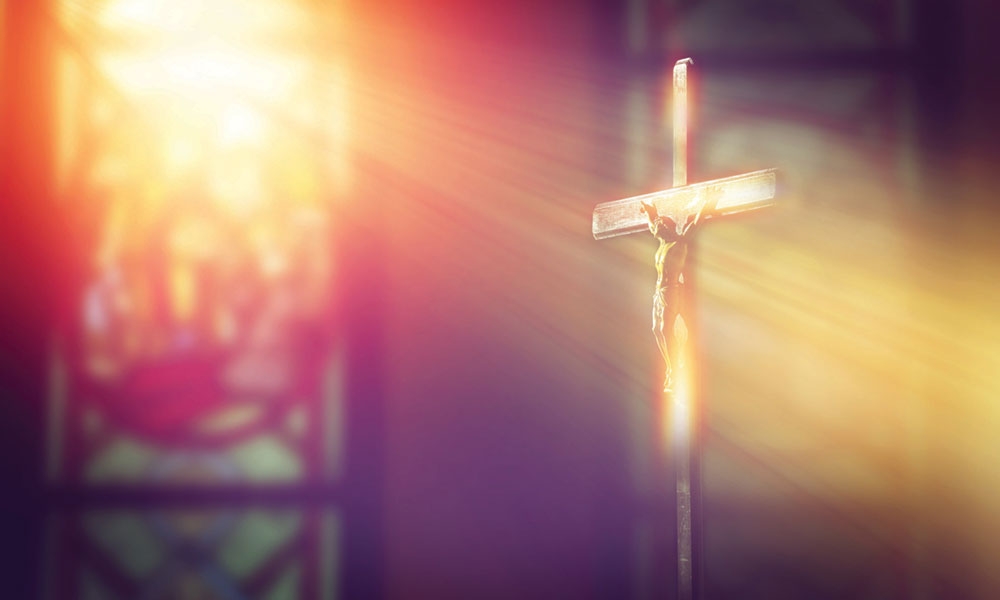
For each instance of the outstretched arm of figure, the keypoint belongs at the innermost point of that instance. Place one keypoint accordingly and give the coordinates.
(694, 220)
(651, 214)
(649, 209)
(662, 228)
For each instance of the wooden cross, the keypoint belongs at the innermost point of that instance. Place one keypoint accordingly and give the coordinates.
(669, 215)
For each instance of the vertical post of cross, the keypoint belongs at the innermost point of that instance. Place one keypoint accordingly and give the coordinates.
(680, 121)
(681, 401)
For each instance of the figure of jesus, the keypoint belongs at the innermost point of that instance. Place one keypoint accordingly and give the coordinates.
(669, 327)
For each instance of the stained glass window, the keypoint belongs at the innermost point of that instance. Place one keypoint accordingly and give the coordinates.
(196, 401)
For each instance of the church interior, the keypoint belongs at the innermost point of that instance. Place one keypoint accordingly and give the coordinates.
(301, 300)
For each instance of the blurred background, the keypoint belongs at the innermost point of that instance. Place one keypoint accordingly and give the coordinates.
(301, 299)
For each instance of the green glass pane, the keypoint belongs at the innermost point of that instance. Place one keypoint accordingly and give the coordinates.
(126, 537)
(266, 459)
(287, 585)
(256, 537)
(125, 459)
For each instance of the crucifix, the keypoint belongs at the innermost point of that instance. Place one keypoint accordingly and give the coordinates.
(672, 216)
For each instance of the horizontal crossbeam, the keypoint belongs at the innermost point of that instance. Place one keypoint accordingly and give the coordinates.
(718, 197)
